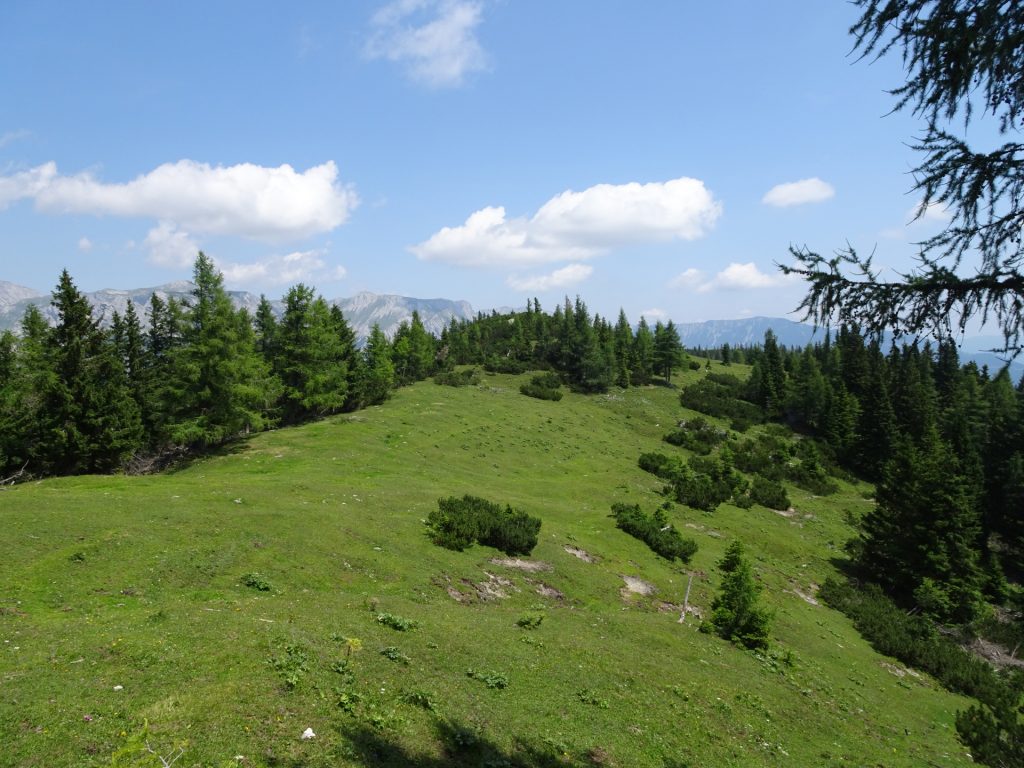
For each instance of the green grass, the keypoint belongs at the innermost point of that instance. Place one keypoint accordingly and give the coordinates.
(140, 582)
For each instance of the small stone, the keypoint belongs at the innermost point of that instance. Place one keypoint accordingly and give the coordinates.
(308, 734)
(118, 687)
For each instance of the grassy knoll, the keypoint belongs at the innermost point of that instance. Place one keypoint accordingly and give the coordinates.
(139, 582)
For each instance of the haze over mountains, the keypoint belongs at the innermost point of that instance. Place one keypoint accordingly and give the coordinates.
(388, 310)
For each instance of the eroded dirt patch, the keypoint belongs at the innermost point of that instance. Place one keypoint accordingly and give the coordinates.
(582, 554)
(546, 590)
(994, 653)
(530, 566)
(638, 586)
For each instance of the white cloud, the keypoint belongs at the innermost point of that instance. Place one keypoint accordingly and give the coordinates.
(170, 247)
(248, 200)
(654, 314)
(560, 278)
(737, 277)
(690, 278)
(932, 213)
(25, 184)
(812, 190)
(84, 244)
(12, 136)
(291, 268)
(578, 225)
(435, 39)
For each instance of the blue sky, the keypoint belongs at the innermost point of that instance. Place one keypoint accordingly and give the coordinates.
(657, 156)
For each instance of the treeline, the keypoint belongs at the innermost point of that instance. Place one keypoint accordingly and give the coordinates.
(589, 353)
(78, 397)
(944, 443)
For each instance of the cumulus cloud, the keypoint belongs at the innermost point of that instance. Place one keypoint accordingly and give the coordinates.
(574, 226)
(736, 277)
(690, 278)
(812, 190)
(435, 40)
(170, 247)
(654, 314)
(84, 244)
(248, 200)
(299, 266)
(560, 278)
(934, 212)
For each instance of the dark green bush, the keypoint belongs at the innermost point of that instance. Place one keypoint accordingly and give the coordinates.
(708, 482)
(665, 467)
(654, 531)
(696, 435)
(768, 493)
(543, 386)
(722, 400)
(458, 523)
(496, 364)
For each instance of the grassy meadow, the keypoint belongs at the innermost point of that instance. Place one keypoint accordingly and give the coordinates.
(124, 601)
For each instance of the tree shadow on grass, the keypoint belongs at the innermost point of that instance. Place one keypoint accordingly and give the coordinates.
(462, 747)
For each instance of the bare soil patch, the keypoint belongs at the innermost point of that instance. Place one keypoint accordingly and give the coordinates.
(582, 554)
(995, 654)
(638, 586)
(530, 566)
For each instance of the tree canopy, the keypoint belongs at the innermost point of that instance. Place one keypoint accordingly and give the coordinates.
(962, 58)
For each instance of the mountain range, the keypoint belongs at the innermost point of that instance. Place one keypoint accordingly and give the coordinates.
(362, 310)
(388, 310)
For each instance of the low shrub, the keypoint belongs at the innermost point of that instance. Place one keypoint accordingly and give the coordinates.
(396, 622)
(496, 364)
(660, 465)
(719, 394)
(654, 530)
(490, 679)
(696, 435)
(543, 386)
(459, 523)
(257, 581)
(768, 493)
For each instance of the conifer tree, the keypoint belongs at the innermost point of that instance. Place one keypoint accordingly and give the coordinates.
(218, 385)
(623, 350)
(920, 541)
(668, 350)
(643, 354)
(378, 373)
(309, 357)
(736, 612)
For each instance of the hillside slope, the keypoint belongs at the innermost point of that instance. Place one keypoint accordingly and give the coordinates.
(139, 582)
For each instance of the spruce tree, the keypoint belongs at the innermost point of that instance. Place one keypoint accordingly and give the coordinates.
(920, 541)
(736, 612)
(378, 373)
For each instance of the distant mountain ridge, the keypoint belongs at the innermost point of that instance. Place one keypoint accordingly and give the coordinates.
(750, 331)
(361, 311)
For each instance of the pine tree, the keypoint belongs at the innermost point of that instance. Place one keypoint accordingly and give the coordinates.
(91, 422)
(736, 612)
(623, 350)
(920, 541)
(378, 373)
